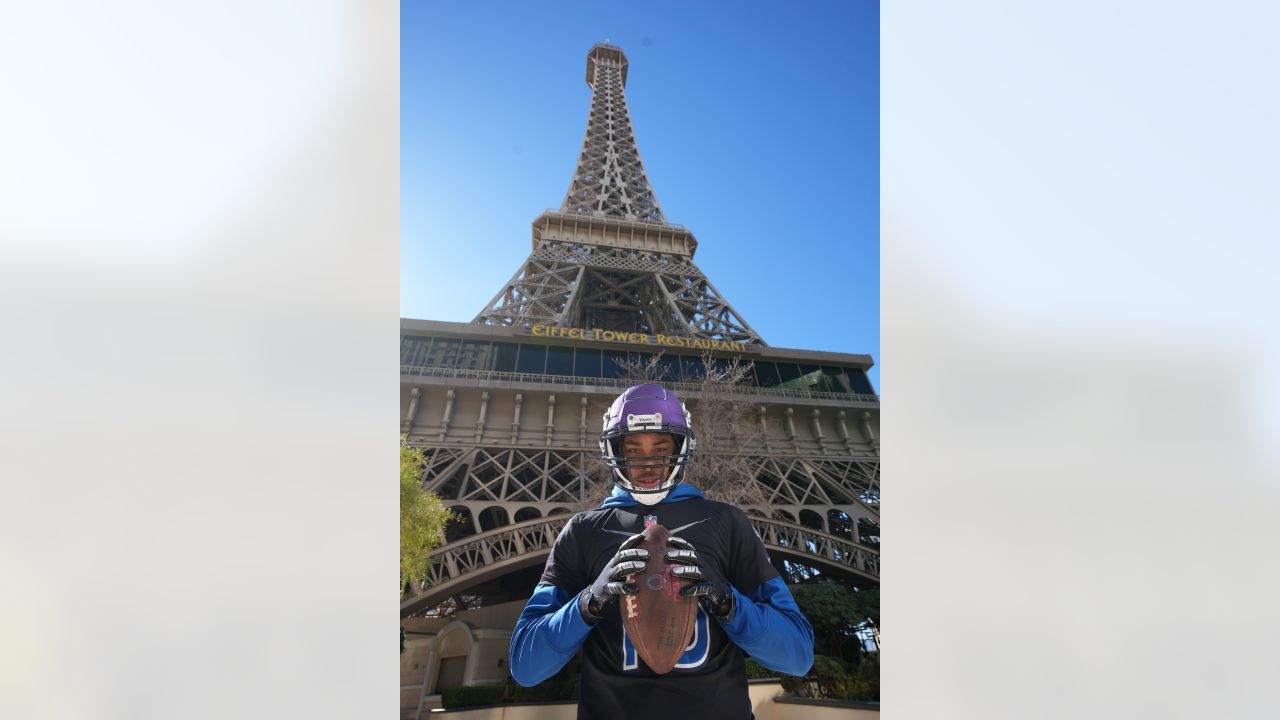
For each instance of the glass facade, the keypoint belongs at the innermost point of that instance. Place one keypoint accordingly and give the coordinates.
(533, 359)
(504, 356)
(615, 363)
(559, 361)
(669, 368)
(420, 351)
(586, 362)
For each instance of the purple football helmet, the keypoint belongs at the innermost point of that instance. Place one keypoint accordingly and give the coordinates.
(647, 409)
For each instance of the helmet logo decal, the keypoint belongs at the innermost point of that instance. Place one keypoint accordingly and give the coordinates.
(644, 422)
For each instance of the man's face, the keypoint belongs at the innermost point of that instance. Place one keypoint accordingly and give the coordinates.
(638, 448)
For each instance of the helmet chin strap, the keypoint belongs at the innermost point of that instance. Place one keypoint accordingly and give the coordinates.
(650, 498)
(644, 498)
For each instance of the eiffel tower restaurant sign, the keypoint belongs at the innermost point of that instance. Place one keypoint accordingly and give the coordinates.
(635, 338)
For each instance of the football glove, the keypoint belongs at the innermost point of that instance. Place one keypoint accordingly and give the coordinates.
(714, 593)
(612, 580)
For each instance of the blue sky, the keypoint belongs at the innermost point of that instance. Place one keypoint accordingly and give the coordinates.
(758, 124)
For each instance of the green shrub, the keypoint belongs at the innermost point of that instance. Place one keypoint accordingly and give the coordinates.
(797, 686)
(458, 697)
(836, 679)
(841, 688)
(864, 683)
(756, 671)
(829, 675)
(546, 690)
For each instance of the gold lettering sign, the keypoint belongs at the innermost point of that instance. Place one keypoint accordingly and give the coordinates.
(553, 331)
(671, 341)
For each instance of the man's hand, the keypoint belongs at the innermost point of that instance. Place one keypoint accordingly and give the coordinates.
(713, 592)
(612, 580)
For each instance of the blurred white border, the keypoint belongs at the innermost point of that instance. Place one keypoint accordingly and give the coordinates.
(199, 207)
(1081, 408)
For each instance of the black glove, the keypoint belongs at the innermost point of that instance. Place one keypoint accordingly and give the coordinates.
(713, 592)
(611, 584)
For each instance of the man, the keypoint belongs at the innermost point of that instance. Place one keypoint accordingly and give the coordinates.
(743, 604)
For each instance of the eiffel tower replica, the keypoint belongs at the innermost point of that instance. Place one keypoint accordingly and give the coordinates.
(508, 407)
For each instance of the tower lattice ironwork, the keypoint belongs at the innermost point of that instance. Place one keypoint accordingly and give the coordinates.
(608, 259)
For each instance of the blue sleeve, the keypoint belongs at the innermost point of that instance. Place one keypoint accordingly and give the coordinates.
(769, 626)
(549, 632)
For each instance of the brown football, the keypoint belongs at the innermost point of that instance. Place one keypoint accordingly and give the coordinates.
(658, 619)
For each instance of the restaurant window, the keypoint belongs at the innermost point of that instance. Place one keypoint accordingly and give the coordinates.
(533, 359)
(615, 364)
(810, 378)
(586, 362)
(640, 359)
(836, 380)
(721, 365)
(788, 373)
(766, 374)
(668, 369)
(559, 361)
(693, 368)
(474, 355)
(860, 382)
(413, 349)
(504, 357)
(443, 353)
(625, 364)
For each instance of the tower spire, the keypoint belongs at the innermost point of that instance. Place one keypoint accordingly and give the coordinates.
(610, 180)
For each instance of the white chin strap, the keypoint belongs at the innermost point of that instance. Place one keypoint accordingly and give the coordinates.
(650, 498)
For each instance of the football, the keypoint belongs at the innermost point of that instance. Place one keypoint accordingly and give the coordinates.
(658, 619)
